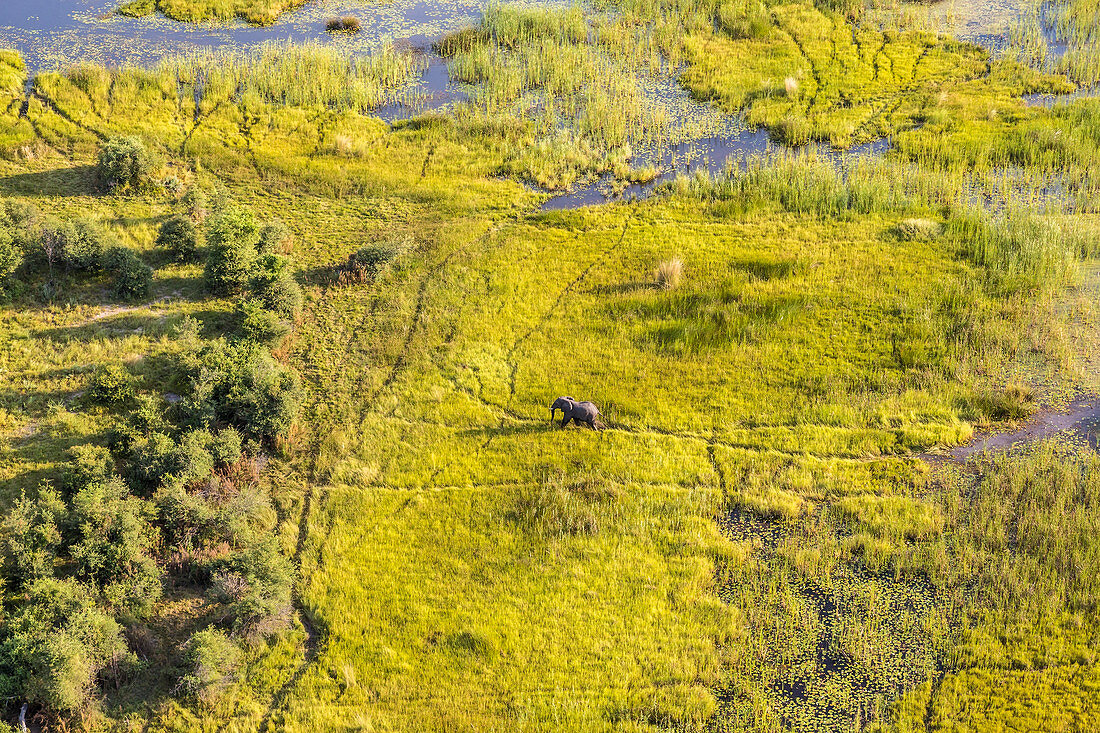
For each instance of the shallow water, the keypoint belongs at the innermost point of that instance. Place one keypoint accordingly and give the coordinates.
(712, 156)
(1079, 423)
(59, 33)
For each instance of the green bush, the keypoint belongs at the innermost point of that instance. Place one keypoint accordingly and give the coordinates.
(159, 460)
(274, 238)
(211, 660)
(11, 256)
(186, 519)
(254, 585)
(369, 262)
(275, 288)
(110, 385)
(84, 245)
(110, 544)
(30, 537)
(87, 464)
(193, 459)
(124, 163)
(231, 238)
(153, 461)
(179, 237)
(133, 279)
(242, 385)
(261, 325)
(225, 447)
(55, 645)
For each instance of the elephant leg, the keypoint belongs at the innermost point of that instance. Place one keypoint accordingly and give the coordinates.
(565, 421)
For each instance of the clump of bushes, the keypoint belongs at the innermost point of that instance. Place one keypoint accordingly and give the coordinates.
(56, 644)
(124, 164)
(180, 238)
(370, 262)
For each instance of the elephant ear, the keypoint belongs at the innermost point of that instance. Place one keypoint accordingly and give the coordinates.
(570, 399)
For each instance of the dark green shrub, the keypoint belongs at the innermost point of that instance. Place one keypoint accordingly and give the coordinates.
(231, 241)
(153, 461)
(110, 385)
(87, 464)
(282, 296)
(275, 288)
(193, 461)
(84, 245)
(11, 256)
(261, 325)
(242, 385)
(211, 660)
(226, 447)
(133, 279)
(369, 262)
(143, 420)
(110, 541)
(30, 537)
(124, 163)
(56, 644)
(274, 238)
(254, 585)
(179, 237)
(185, 518)
(159, 460)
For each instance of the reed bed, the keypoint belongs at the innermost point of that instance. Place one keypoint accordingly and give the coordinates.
(300, 75)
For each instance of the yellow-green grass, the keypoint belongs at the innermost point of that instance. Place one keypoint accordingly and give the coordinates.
(750, 519)
(816, 76)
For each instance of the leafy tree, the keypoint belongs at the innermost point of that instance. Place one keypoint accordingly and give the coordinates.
(124, 163)
(180, 238)
(232, 237)
(56, 644)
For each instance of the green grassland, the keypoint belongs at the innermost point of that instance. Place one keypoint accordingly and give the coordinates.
(755, 542)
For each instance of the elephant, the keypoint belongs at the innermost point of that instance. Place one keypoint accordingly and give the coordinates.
(579, 412)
